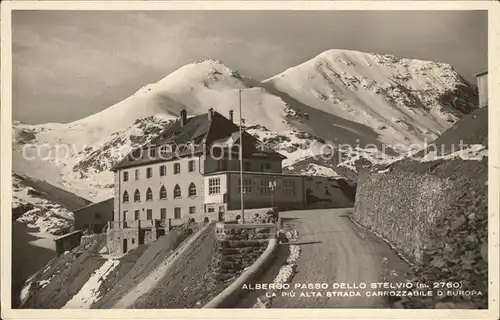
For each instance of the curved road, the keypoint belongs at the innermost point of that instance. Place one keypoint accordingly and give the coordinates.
(335, 250)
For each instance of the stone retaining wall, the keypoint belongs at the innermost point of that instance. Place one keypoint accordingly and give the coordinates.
(402, 207)
(238, 247)
(436, 214)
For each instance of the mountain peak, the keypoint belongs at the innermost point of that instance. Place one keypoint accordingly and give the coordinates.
(210, 61)
(352, 58)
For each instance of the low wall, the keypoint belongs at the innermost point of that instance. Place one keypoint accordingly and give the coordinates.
(233, 292)
(68, 241)
(238, 246)
(257, 215)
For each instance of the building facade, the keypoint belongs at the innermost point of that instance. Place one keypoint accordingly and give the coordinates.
(95, 216)
(160, 190)
(156, 183)
(260, 190)
(191, 171)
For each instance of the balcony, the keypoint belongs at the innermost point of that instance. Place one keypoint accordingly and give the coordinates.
(140, 224)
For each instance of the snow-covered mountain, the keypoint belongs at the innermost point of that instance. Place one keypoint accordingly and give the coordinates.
(338, 97)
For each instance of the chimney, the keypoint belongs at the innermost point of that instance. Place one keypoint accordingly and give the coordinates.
(210, 113)
(183, 117)
(482, 85)
(231, 115)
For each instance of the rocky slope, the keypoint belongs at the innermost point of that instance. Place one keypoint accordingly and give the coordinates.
(338, 97)
(41, 206)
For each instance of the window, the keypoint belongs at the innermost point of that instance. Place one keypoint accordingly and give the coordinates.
(191, 164)
(192, 190)
(137, 196)
(125, 196)
(247, 185)
(289, 187)
(149, 214)
(125, 215)
(137, 154)
(177, 213)
(136, 174)
(163, 171)
(211, 209)
(149, 173)
(97, 215)
(192, 210)
(264, 186)
(163, 192)
(133, 240)
(152, 153)
(177, 191)
(136, 215)
(177, 168)
(265, 166)
(214, 186)
(125, 176)
(163, 213)
(149, 194)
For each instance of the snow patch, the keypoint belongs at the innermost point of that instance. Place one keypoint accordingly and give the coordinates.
(285, 275)
(475, 152)
(314, 169)
(89, 293)
(45, 216)
(25, 292)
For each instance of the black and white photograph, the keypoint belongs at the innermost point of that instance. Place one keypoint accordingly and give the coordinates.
(249, 159)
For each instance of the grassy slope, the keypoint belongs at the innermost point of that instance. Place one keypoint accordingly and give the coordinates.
(188, 283)
(136, 266)
(67, 274)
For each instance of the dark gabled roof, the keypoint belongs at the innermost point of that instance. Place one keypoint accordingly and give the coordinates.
(196, 137)
(110, 200)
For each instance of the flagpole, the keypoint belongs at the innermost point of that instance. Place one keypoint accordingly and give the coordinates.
(241, 163)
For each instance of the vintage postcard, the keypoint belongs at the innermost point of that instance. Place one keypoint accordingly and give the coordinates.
(216, 160)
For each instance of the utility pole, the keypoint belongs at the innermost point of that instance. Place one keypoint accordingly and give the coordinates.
(241, 163)
(272, 186)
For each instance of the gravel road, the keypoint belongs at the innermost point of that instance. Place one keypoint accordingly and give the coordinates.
(335, 250)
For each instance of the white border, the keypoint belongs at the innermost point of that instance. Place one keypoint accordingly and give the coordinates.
(6, 160)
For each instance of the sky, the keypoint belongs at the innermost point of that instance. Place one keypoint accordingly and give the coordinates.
(70, 64)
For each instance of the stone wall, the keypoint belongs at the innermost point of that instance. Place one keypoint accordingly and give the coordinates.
(116, 237)
(68, 241)
(238, 247)
(402, 207)
(436, 214)
(151, 235)
(260, 215)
